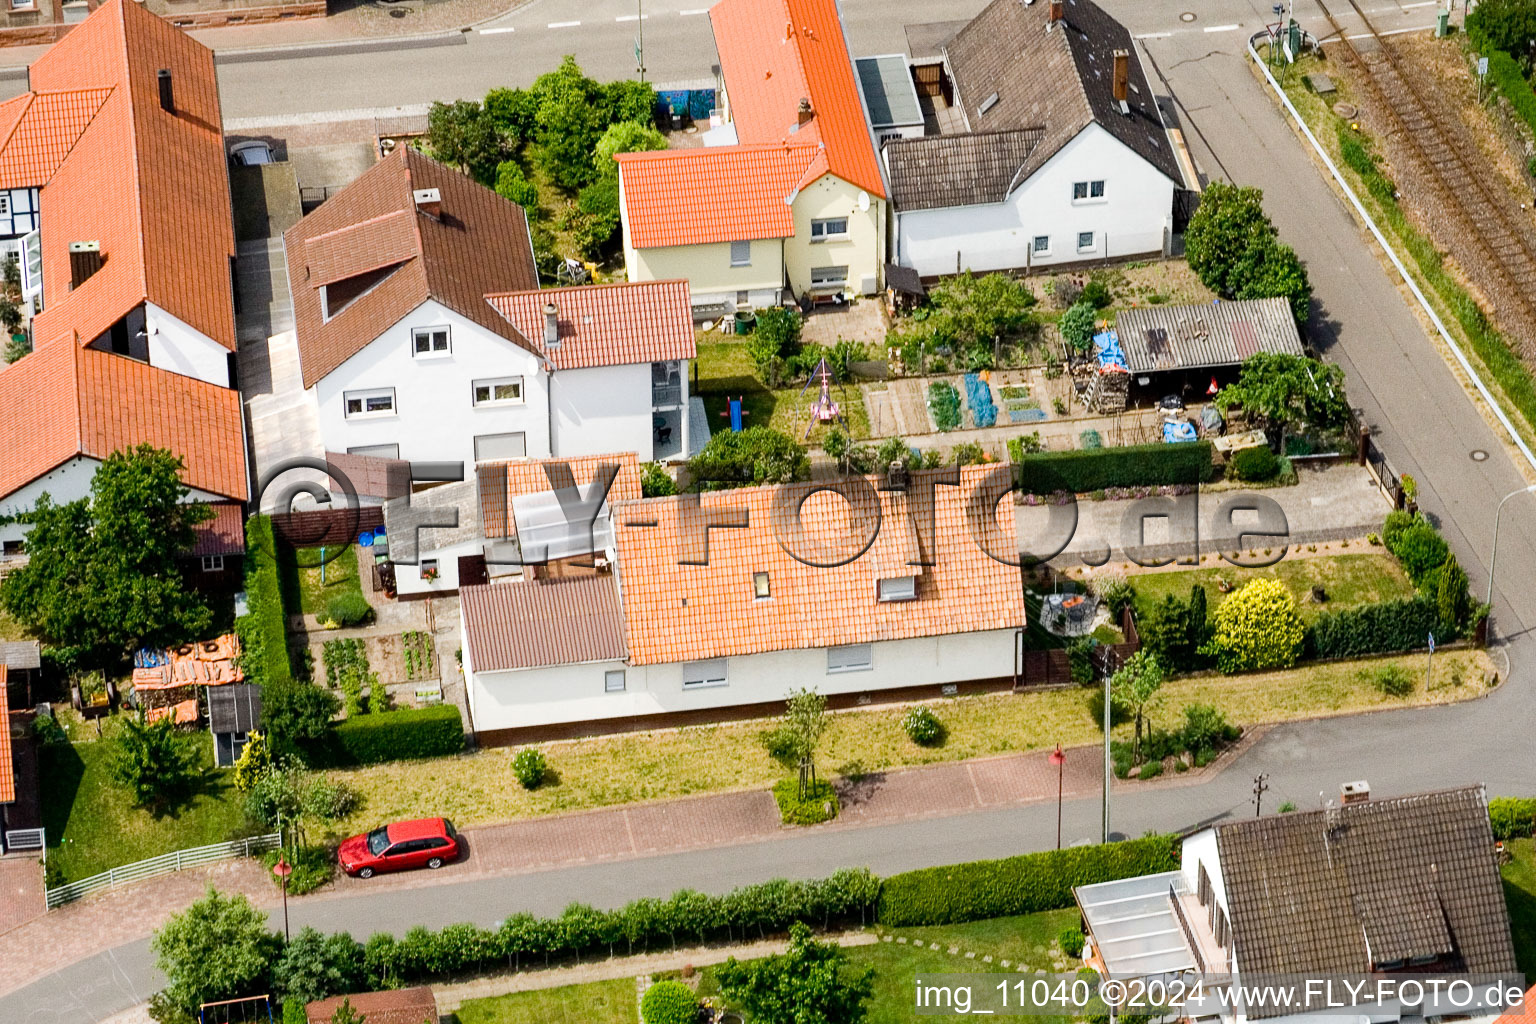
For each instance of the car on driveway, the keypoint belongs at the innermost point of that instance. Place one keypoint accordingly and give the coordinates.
(426, 842)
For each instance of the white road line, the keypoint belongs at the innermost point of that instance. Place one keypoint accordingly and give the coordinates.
(647, 17)
(564, 24)
(496, 31)
(1166, 35)
(696, 10)
(1222, 28)
(1424, 3)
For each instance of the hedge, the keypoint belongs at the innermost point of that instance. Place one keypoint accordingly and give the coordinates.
(1016, 885)
(1504, 72)
(1512, 817)
(394, 736)
(263, 629)
(1385, 628)
(1095, 469)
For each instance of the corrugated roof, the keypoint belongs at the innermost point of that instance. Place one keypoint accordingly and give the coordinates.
(713, 194)
(1190, 337)
(478, 245)
(606, 325)
(21, 654)
(958, 170)
(534, 624)
(224, 534)
(889, 93)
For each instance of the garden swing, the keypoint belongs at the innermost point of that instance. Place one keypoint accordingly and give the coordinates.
(245, 1010)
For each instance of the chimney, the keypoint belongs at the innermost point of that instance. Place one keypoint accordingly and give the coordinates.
(1355, 792)
(804, 113)
(84, 260)
(551, 326)
(167, 93)
(1122, 79)
(429, 201)
(1058, 11)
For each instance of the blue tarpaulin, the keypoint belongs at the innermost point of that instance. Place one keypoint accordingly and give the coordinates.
(1107, 347)
(1174, 433)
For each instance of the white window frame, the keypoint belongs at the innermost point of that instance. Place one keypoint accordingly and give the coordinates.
(1088, 193)
(1093, 241)
(850, 658)
(1040, 250)
(901, 588)
(704, 675)
(430, 334)
(830, 282)
(609, 680)
(741, 254)
(820, 228)
(491, 384)
(429, 565)
(213, 563)
(364, 396)
(5, 200)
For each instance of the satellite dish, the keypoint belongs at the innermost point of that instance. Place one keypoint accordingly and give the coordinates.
(863, 200)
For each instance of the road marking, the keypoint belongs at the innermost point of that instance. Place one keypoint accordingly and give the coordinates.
(496, 31)
(1222, 28)
(1425, 3)
(696, 10)
(647, 17)
(1165, 35)
(564, 24)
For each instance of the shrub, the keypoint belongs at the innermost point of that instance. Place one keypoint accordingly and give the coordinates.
(1095, 469)
(1384, 628)
(1205, 728)
(394, 736)
(263, 629)
(1398, 521)
(1114, 590)
(669, 1002)
(756, 455)
(1077, 326)
(1024, 444)
(530, 766)
(1096, 294)
(1257, 627)
(944, 404)
(819, 803)
(923, 727)
(1016, 885)
(656, 482)
(1150, 770)
(781, 743)
(1391, 680)
(1420, 549)
(512, 185)
(1512, 817)
(1254, 464)
(1071, 941)
(348, 609)
(313, 866)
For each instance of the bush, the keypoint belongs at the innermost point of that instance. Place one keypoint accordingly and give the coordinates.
(394, 736)
(1095, 469)
(1077, 326)
(1512, 817)
(1397, 523)
(1257, 628)
(1254, 464)
(944, 404)
(1071, 941)
(756, 455)
(348, 609)
(818, 805)
(313, 866)
(1096, 294)
(1016, 885)
(1385, 628)
(1391, 680)
(1150, 770)
(1420, 549)
(512, 185)
(656, 482)
(923, 727)
(669, 1002)
(1205, 728)
(263, 629)
(530, 766)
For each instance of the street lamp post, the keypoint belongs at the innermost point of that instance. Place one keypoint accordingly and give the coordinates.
(1058, 759)
(282, 869)
(1104, 826)
(1494, 556)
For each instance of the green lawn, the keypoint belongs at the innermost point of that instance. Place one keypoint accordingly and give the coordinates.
(92, 824)
(1520, 896)
(299, 574)
(725, 372)
(10, 629)
(598, 1002)
(1349, 580)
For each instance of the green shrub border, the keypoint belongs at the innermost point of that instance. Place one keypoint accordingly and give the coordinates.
(1095, 469)
(813, 810)
(263, 629)
(409, 733)
(1512, 817)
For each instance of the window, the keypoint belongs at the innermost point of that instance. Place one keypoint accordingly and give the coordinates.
(832, 227)
(828, 277)
(499, 391)
(213, 563)
(1095, 190)
(1084, 241)
(743, 298)
(13, 547)
(1082, 190)
(741, 254)
(430, 341)
(760, 586)
(5, 204)
(378, 402)
(429, 568)
(489, 447)
(899, 588)
(613, 681)
(700, 674)
(1203, 887)
(849, 658)
(1042, 243)
(21, 5)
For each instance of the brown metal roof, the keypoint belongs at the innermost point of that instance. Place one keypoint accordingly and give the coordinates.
(1351, 888)
(400, 1006)
(958, 170)
(532, 624)
(1222, 334)
(224, 534)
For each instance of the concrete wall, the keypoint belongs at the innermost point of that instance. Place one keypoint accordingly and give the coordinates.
(603, 409)
(1129, 220)
(179, 347)
(862, 251)
(408, 578)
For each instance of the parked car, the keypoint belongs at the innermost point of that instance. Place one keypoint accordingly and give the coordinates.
(250, 154)
(426, 842)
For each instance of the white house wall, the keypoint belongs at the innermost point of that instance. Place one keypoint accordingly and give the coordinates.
(435, 417)
(575, 693)
(408, 579)
(1130, 220)
(602, 409)
(69, 481)
(179, 347)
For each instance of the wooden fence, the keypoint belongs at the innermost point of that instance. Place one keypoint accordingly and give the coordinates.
(1053, 666)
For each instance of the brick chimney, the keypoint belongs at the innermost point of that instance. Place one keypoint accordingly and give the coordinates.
(84, 260)
(429, 201)
(804, 113)
(167, 92)
(1058, 11)
(1122, 78)
(1355, 792)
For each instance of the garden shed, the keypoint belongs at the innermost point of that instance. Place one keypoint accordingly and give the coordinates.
(233, 713)
(1179, 349)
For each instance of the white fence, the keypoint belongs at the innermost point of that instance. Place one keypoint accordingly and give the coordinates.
(163, 865)
(18, 839)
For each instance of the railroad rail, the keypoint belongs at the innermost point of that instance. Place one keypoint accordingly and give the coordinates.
(1497, 244)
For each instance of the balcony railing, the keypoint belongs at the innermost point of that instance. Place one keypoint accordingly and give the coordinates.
(663, 395)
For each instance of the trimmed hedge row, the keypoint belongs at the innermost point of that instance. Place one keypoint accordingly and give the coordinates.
(1512, 817)
(1016, 885)
(263, 629)
(1096, 469)
(435, 731)
(1385, 628)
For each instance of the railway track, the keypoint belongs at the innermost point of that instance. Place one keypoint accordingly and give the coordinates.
(1496, 246)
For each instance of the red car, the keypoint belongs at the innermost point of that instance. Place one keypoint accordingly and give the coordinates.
(427, 842)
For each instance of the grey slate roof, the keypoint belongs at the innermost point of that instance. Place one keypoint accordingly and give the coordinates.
(958, 170)
(1347, 889)
(1182, 337)
(889, 94)
(1058, 79)
(21, 654)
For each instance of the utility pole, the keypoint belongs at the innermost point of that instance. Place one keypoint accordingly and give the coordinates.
(640, 38)
(1260, 787)
(1105, 829)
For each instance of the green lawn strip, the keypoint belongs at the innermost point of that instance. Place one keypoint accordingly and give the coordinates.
(299, 571)
(725, 372)
(92, 824)
(1520, 897)
(596, 1002)
(1348, 580)
(11, 629)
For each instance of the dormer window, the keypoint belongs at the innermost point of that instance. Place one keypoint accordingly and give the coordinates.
(760, 590)
(898, 588)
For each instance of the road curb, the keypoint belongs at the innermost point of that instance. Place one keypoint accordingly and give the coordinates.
(288, 51)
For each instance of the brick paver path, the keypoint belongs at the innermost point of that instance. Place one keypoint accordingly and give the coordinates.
(21, 890)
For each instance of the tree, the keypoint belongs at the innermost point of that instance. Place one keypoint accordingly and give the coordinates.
(599, 203)
(317, 966)
(805, 720)
(629, 100)
(624, 137)
(153, 763)
(1135, 687)
(254, 762)
(972, 313)
(1452, 602)
(218, 948)
(513, 186)
(1199, 624)
(1257, 627)
(572, 117)
(1166, 631)
(1508, 25)
(775, 340)
(1229, 221)
(1077, 325)
(104, 573)
(756, 455)
(514, 112)
(1290, 391)
(895, 449)
(463, 135)
(1273, 270)
(810, 983)
(297, 715)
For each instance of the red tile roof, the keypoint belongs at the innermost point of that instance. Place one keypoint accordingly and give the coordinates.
(500, 482)
(401, 1006)
(534, 624)
(479, 245)
(1522, 1014)
(606, 325)
(735, 194)
(46, 128)
(224, 534)
(7, 766)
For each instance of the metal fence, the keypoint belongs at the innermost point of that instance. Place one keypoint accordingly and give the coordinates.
(18, 839)
(162, 865)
